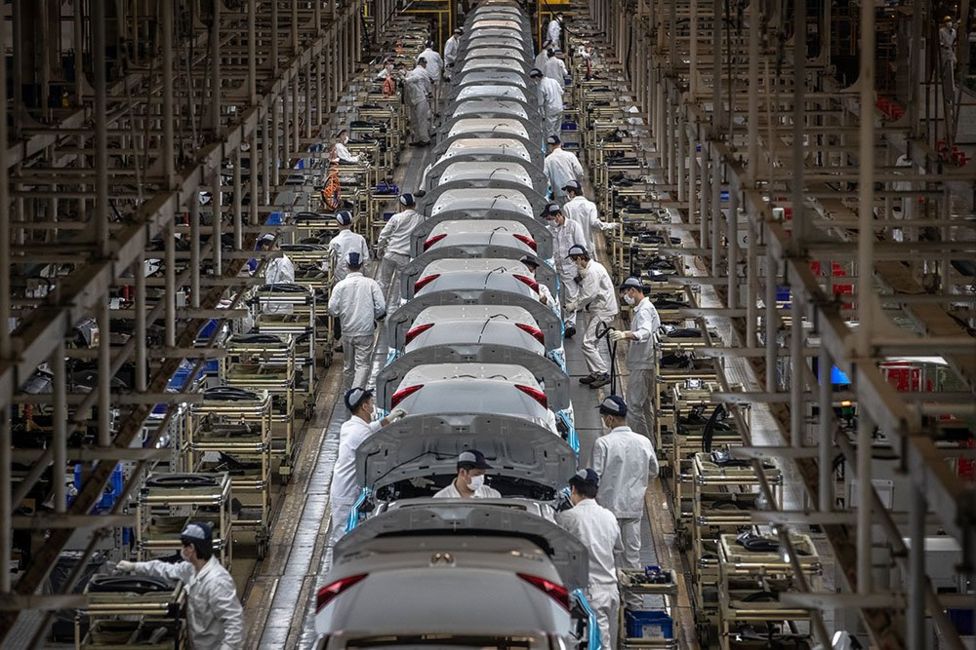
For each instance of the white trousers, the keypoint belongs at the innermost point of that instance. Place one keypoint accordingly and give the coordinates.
(419, 116)
(570, 291)
(389, 275)
(595, 362)
(605, 602)
(641, 384)
(340, 515)
(630, 535)
(357, 361)
(554, 123)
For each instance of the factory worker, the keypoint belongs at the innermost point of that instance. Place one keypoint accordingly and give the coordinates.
(555, 67)
(346, 241)
(278, 270)
(550, 101)
(359, 426)
(358, 303)
(451, 50)
(418, 91)
(470, 480)
(560, 167)
(435, 66)
(597, 297)
(554, 31)
(216, 620)
(340, 152)
(625, 461)
(597, 528)
(394, 246)
(641, 356)
(565, 235)
(583, 211)
(545, 296)
(542, 56)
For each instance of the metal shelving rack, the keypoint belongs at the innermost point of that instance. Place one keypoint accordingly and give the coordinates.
(122, 620)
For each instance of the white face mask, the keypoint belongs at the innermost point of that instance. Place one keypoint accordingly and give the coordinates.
(476, 482)
(629, 299)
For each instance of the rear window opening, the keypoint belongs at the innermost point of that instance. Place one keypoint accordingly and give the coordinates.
(510, 487)
(443, 641)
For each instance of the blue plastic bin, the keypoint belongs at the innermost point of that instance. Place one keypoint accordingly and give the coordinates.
(648, 625)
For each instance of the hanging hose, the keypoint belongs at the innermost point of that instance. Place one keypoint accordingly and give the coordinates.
(603, 332)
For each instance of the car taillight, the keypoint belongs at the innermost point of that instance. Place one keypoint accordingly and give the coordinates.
(534, 331)
(528, 241)
(524, 279)
(402, 394)
(534, 393)
(414, 332)
(555, 591)
(423, 282)
(327, 594)
(433, 240)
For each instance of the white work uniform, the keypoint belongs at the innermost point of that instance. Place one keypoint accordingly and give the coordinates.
(554, 32)
(279, 270)
(344, 490)
(395, 239)
(625, 461)
(583, 211)
(358, 302)
(341, 153)
(216, 620)
(345, 242)
(418, 89)
(435, 65)
(545, 297)
(540, 60)
(563, 238)
(451, 50)
(597, 528)
(555, 69)
(484, 492)
(551, 103)
(562, 166)
(641, 382)
(598, 297)
(947, 40)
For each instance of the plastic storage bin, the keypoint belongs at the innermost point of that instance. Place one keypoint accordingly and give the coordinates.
(648, 625)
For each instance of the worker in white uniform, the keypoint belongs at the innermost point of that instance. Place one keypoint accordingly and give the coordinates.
(560, 167)
(554, 31)
(359, 426)
(470, 480)
(555, 67)
(435, 66)
(947, 46)
(584, 212)
(215, 617)
(346, 241)
(598, 299)
(451, 51)
(358, 303)
(277, 270)
(394, 247)
(550, 101)
(565, 235)
(545, 296)
(597, 528)
(418, 91)
(625, 461)
(340, 152)
(641, 356)
(540, 59)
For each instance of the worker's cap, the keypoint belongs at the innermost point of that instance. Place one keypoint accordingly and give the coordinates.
(421, 60)
(473, 458)
(354, 260)
(356, 396)
(553, 139)
(407, 199)
(613, 405)
(632, 283)
(576, 250)
(551, 210)
(528, 260)
(266, 237)
(459, 30)
(343, 218)
(587, 476)
(535, 73)
(947, 19)
(196, 531)
(573, 185)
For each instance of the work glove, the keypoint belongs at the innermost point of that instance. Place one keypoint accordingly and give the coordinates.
(622, 577)
(616, 335)
(572, 306)
(125, 566)
(397, 414)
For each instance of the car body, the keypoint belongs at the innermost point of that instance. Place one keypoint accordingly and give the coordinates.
(492, 280)
(477, 125)
(488, 198)
(492, 75)
(497, 91)
(484, 238)
(490, 330)
(472, 171)
(485, 107)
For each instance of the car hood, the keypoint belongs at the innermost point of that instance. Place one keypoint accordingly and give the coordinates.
(556, 381)
(422, 445)
(468, 517)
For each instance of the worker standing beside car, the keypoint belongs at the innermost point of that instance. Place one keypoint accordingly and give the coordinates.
(597, 297)
(641, 357)
(550, 100)
(583, 211)
(418, 90)
(394, 246)
(597, 528)
(565, 235)
(358, 303)
(470, 480)
(554, 30)
(545, 296)
(560, 167)
(346, 241)
(360, 425)
(215, 617)
(625, 461)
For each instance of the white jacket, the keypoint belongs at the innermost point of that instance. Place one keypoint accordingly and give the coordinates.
(583, 211)
(451, 50)
(597, 292)
(353, 432)
(395, 236)
(484, 492)
(341, 152)
(555, 69)
(216, 620)
(540, 60)
(565, 237)
(279, 270)
(599, 531)
(550, 96)
(560, 167)
(625, 461)
(553, 32)
(417, 85)
(644, 324)
(345, 242)
(358, 302)
(434, 64)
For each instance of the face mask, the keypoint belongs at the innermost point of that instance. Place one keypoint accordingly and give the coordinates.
(629, 299)
(582, 269)
(476, 482)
